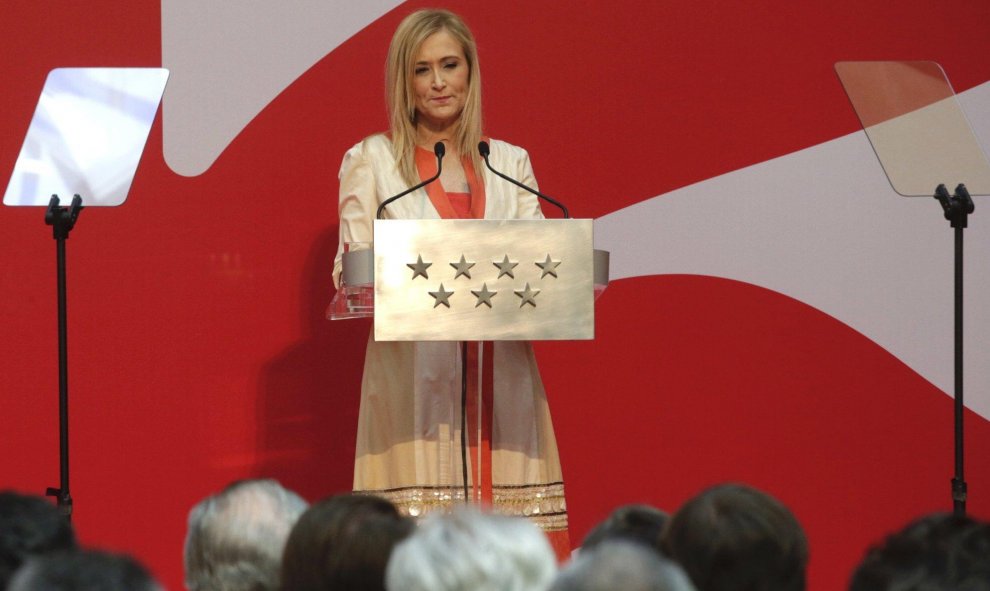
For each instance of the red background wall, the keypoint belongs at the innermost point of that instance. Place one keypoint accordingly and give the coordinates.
(198, 349)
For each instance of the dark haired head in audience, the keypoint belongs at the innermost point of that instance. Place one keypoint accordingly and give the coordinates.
(472, 551)
(733, 537)
(83, 570)
(343, 542)
(621, 564)
(634, 523)
(29, 526)
(236, 537)
(934, 553)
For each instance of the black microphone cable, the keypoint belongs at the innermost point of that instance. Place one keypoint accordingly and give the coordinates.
(484, 150)
(439, 150)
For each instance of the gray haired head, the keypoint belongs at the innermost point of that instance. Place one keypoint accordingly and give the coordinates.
(621, 564)
(236, 537)
(471, 551)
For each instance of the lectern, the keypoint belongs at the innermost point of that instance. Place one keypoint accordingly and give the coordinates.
(474, 280)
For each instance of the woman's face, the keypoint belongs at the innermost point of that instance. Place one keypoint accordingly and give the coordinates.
(440, 81)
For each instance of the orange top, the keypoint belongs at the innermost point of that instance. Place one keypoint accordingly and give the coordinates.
(461, 203)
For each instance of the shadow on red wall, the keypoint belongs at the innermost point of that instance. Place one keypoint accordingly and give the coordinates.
(309, 393)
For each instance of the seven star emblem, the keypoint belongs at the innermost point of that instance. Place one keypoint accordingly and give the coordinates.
(484, 295)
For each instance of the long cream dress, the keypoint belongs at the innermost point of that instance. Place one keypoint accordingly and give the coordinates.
(409, 440)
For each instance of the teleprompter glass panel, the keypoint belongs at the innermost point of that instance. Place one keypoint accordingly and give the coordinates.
(87, 135)
(916, 126)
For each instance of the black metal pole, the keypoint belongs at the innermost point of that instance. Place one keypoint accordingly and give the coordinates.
(64, 499)
(959, 481)
(957, 208)
(62, 221)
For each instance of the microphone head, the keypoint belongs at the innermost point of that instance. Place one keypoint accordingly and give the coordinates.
(483, 149)
(439, 149)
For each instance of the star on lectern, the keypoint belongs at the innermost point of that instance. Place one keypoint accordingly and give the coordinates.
(419, 268)
(441, 296)
(505, 267)
(549, 267)
(528, 296)
(484, 296)
(463, 268)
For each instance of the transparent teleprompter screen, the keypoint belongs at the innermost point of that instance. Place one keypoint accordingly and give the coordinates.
(87, 135)
(918, 130)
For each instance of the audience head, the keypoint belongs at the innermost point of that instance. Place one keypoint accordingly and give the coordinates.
(934, 553)
(621, 564)
(83, 570)
(733, 537)
(29, 526)
(634, 523)
(471, 551)
(236, 537)
(343, 542)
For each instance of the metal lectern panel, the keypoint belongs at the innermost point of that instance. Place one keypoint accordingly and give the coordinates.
(483, 280)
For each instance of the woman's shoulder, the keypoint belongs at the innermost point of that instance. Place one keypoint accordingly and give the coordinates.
(372, 149)
(373, 144)
(501, 149)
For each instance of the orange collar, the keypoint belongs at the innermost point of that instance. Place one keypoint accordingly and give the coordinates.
(426, 166)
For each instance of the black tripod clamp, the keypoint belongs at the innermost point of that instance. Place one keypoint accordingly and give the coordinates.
(63, 500)
(62, 219)
(957, 206)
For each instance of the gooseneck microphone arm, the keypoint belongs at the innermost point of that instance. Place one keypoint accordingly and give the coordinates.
(484, 150)
(439, 150)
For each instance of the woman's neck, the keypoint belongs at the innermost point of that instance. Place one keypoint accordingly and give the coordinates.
(427, 137)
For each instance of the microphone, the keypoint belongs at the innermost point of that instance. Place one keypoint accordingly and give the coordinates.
(484, 150)
(439, 150)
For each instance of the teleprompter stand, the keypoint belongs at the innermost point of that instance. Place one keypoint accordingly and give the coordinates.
(922, 137)
(62, 220)
(98, 159)
(957, 208)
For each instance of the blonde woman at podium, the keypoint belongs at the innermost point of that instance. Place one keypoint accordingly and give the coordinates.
(409, 447)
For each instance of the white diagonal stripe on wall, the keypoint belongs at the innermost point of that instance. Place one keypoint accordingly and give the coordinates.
(228, 60)
(823, 226)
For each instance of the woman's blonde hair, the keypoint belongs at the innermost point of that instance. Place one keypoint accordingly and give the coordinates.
(399, 95)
